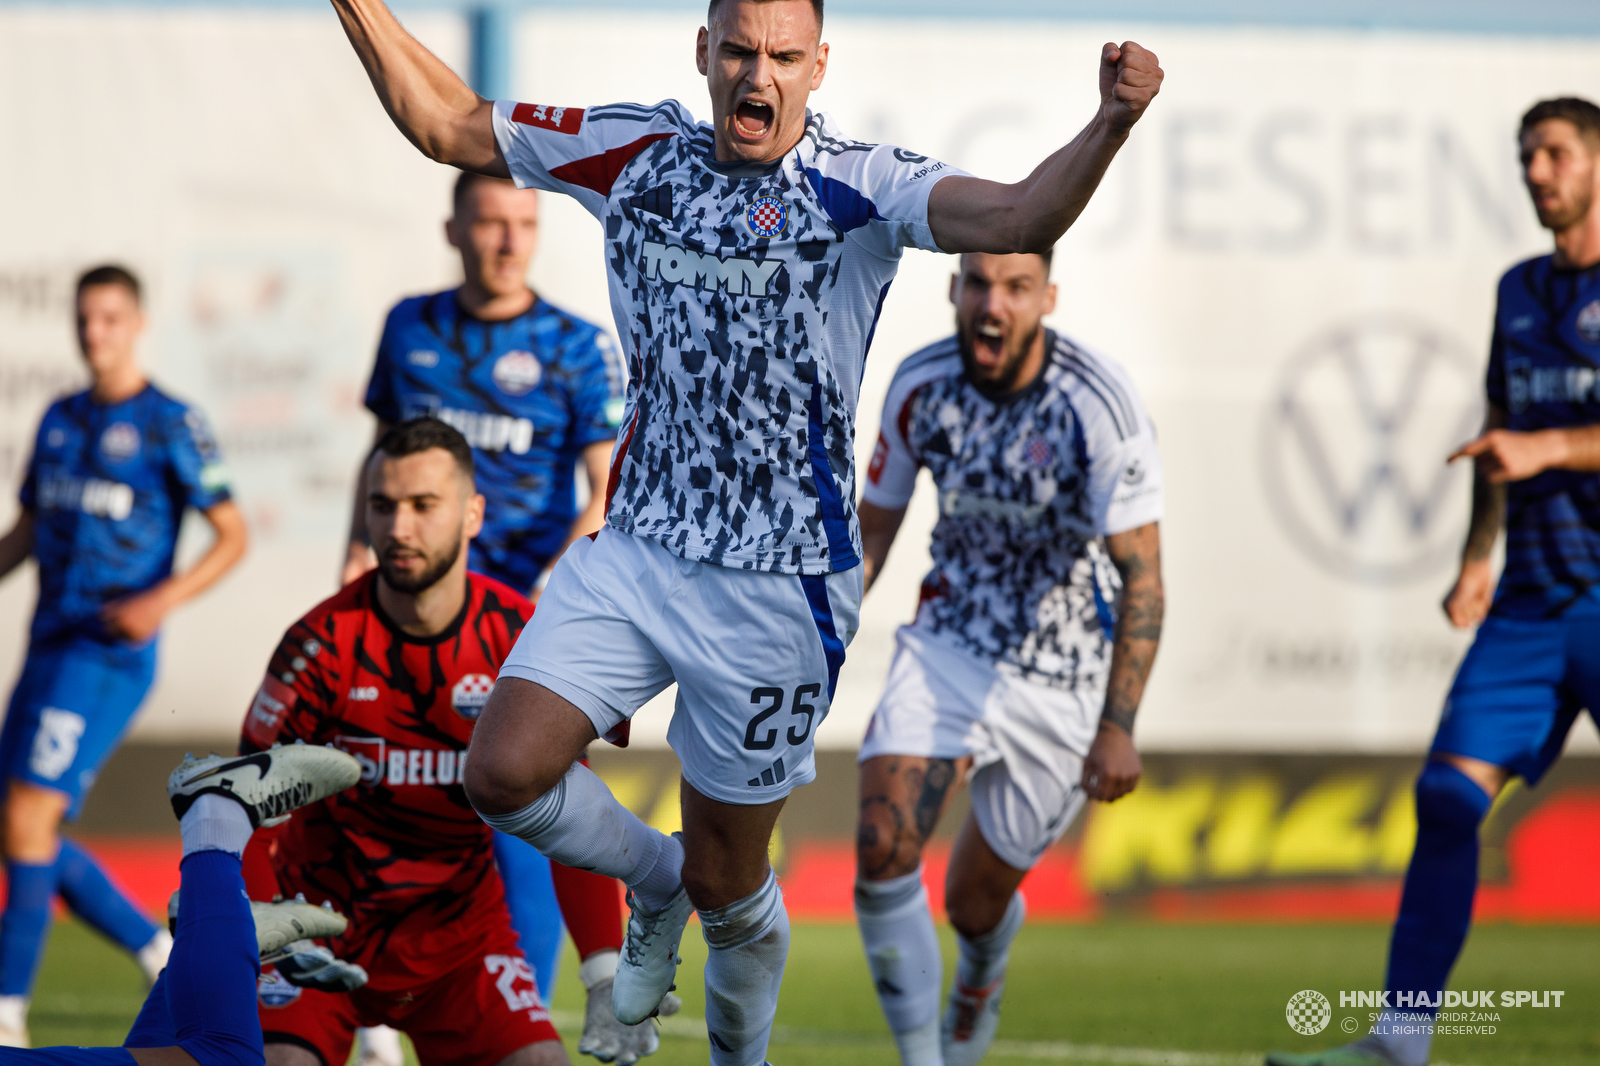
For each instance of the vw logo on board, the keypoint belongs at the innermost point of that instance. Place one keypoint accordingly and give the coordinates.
(1354, 447)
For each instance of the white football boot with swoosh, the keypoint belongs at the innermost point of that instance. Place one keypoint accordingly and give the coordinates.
(268, 784)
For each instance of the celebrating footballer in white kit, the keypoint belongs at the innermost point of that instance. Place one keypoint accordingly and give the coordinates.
(1034, 635)
(749, 259)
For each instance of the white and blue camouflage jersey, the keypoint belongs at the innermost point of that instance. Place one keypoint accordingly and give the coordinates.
(1029, 486)
(747, 296)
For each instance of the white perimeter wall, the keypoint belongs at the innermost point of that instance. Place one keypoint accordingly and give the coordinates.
(1295, 256)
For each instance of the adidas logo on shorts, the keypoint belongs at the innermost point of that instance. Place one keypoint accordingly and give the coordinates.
(772, 775)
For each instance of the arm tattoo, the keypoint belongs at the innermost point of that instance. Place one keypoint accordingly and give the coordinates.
(1137, 556)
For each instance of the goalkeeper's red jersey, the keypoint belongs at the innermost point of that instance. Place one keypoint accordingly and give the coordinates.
(402, 853)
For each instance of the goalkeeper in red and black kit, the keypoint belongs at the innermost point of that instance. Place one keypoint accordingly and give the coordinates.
(394, 670)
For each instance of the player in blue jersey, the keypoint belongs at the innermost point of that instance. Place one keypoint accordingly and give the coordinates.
(748, 261)
(538, 393)
(113, 470)
(1535, 664)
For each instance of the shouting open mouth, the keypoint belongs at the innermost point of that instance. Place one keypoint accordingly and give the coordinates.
(753, 119)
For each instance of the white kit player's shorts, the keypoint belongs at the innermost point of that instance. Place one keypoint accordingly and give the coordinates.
(756, 656)
(1027, 742)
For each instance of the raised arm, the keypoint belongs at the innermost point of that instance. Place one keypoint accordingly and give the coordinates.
(436, 111)
(973, 215)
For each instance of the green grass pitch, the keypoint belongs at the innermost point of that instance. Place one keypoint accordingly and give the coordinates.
(1114, 993)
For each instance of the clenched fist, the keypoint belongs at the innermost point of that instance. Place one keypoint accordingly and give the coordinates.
(1130, 77)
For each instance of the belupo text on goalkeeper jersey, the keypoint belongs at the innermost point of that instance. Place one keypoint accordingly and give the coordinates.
(747, 296)
(1029, 485)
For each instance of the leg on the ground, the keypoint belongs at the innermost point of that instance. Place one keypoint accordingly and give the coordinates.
(980, 887)
(1453, 796)
(986, 910)
(902, 799)
(524, 779)
(85, 888)
(1454, 793)
(32, 823)
(728, 878)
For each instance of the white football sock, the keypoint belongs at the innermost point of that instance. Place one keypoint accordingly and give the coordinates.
(579, 823)
(984, 958)
(1400, 1048)
(215, 823)
(379, 1046)
(903, 951)
(749, 942)
(152, 958)
(13, 1021)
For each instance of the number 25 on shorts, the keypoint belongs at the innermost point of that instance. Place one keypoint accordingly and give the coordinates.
(758, 736)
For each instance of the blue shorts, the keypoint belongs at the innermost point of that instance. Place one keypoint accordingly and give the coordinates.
(70, 708)
(1518, 691)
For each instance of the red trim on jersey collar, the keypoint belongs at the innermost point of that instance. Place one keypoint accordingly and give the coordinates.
(599, 172)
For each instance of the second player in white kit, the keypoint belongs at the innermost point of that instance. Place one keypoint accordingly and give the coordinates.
(1034, 635)
(748, 260)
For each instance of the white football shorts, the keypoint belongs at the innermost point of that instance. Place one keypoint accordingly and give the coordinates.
(1027, 741)
(756, 656)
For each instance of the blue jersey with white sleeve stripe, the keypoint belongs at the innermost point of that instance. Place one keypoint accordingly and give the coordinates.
(529, 393)
(1544, 370)
(746, 296)
(107, 486)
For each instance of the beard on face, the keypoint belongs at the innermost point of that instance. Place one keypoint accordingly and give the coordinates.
(995, 381)
(1565, 217)
(435, 568)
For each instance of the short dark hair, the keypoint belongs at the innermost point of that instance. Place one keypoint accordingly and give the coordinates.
(465, 181)
(111, 274)
(423, 434)
(1576, 110)
(1048, 255)
(711, 10)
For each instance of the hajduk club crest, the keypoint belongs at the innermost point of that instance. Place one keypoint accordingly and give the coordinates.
(767, 217)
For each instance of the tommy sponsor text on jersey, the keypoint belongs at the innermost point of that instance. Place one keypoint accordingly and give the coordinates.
(747, 296)
(1028, 487)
